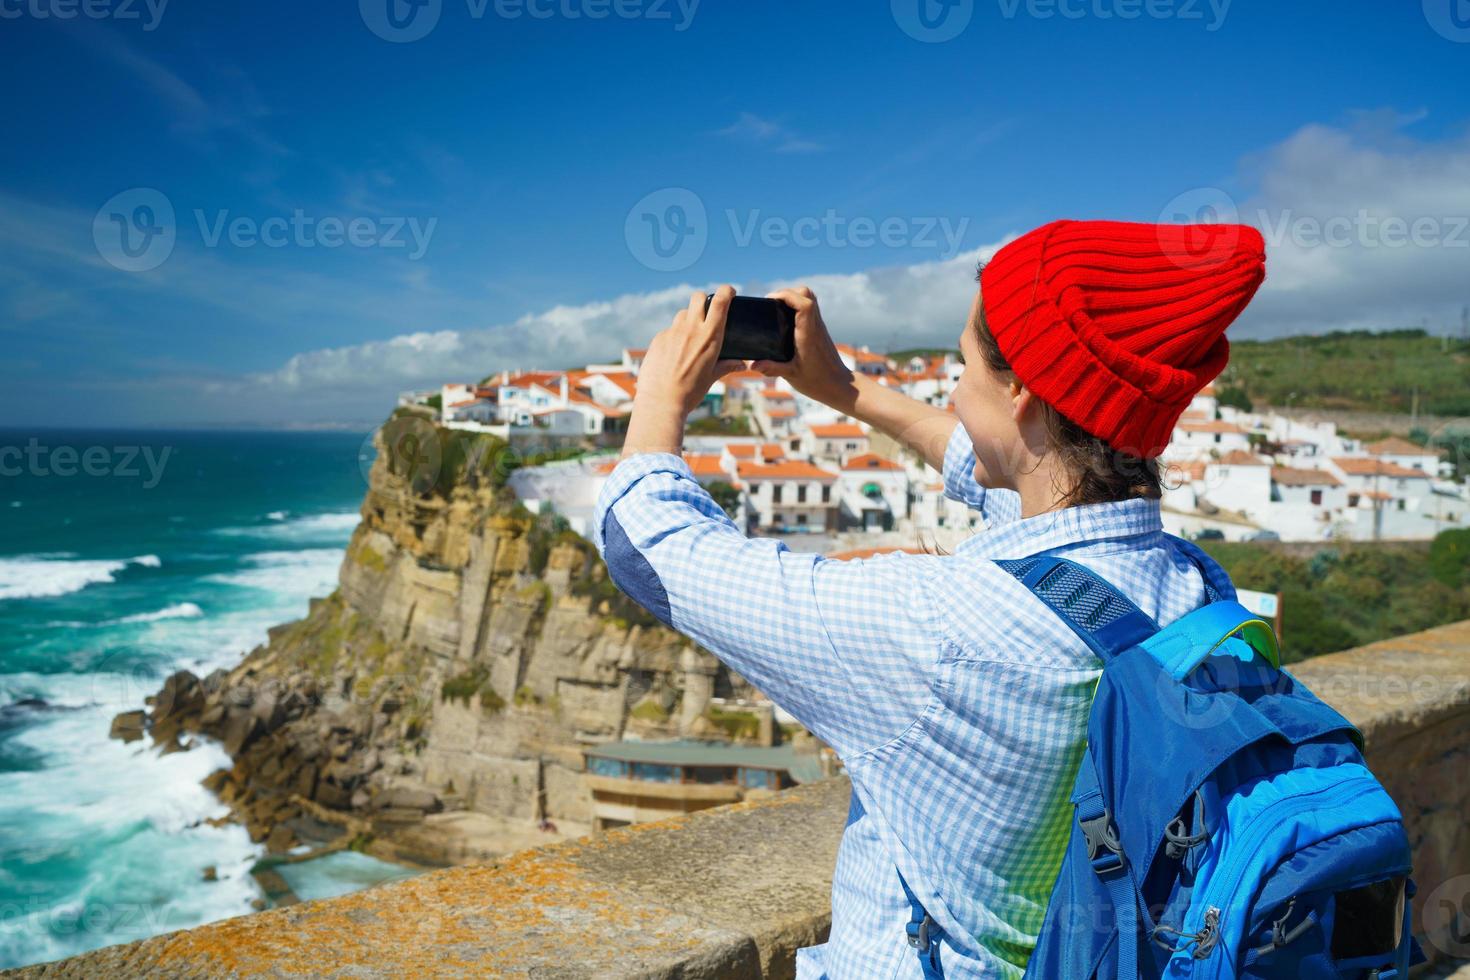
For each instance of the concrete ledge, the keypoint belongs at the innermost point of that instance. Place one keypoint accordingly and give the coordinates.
(733, 892)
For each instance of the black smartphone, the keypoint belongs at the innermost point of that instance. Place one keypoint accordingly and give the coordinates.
(758, 330)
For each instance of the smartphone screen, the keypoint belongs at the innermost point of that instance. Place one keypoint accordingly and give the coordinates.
(759, 330)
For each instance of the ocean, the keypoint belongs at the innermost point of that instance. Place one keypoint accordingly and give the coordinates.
(125, 556)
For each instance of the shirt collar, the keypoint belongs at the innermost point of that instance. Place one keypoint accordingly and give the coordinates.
(1068, 527)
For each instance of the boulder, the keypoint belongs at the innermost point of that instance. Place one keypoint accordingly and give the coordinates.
(240, 729)
(129, 726)
(408, 797)
(180, 695)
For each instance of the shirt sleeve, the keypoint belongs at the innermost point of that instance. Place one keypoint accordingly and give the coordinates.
(996, 506)
(849, 648)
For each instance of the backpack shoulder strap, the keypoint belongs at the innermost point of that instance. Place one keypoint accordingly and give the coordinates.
(1103, 617)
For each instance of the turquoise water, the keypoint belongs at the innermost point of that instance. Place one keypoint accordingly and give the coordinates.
(111, 577)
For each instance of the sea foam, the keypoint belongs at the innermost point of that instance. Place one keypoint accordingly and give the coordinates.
(45, 576)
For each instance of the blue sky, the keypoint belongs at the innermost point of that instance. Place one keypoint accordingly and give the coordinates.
(505, 172)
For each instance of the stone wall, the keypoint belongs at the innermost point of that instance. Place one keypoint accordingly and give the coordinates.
(733, 892)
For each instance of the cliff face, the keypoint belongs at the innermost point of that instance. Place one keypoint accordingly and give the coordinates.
(468, 653)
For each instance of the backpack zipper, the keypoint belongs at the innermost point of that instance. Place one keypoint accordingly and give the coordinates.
(1225, 883)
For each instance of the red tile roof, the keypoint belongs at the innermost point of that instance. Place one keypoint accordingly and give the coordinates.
(871, 461)
(1211, 426)
(1360, 466)
(1289, 476)
(705, 464)
(790, 469)
(842, 430)
(1394, 446)
(781, 413)
(1239, 457)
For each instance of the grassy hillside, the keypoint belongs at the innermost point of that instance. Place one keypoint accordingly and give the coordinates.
(1374, 372)
(1342, 596)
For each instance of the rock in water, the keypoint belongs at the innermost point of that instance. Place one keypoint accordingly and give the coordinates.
(129, 725)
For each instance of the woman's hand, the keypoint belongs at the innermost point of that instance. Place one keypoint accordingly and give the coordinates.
(817, 371)
(681, 364)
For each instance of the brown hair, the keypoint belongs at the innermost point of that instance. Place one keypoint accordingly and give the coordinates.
(1099, 473)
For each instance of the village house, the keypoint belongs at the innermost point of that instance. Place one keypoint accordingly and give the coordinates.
(835, 442)
(790, 495)
(873, 493)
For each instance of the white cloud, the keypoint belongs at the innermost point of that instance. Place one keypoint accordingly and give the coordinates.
(1365, 228)
(1317, 174)
(750, 128)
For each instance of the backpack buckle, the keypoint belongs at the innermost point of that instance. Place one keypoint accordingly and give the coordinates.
(918, 933)
(1104, 848)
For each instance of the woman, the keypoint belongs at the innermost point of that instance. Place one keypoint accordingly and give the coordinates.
(956, 700)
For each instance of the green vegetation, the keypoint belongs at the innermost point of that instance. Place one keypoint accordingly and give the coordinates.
(721, 425)
(434, 459)
(1231, 396)
(368, 558)
(490, 701)
(464, 687)
(726, 496)
(736, 724)
(1357, 370)
(649, 710)
(1449, 558)
(1342, 596)
(435, 401)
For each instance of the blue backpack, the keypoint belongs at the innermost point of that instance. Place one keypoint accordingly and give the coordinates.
(1226, 825)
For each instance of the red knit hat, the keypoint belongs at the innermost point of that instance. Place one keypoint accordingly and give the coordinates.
(1117, 325)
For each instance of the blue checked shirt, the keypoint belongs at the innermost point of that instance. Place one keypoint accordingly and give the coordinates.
(956, 700)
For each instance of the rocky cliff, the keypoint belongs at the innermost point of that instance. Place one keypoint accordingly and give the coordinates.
(434, 706)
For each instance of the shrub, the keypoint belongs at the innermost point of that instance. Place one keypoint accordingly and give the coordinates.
(1449, 557)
